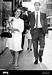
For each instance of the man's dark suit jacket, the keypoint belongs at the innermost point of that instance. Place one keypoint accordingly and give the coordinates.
(26, 23)
(43, 21)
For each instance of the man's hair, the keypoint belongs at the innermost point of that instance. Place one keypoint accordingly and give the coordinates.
(37, 2)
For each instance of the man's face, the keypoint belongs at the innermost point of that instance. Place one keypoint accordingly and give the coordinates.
(37, 6)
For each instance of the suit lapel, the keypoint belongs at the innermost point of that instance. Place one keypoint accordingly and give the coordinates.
(34, 16)
(41, 16)
(32, 19)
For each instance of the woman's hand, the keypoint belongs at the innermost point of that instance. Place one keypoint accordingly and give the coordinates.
(10, 28)
(27, 31)
(13, 29)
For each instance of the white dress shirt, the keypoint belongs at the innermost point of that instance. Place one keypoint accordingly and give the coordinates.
(39, 23)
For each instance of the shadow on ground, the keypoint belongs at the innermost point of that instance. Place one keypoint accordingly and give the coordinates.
(25, 62)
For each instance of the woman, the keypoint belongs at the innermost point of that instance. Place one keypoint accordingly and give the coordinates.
(28, 36)
(16, 27)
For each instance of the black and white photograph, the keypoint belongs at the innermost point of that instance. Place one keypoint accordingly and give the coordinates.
(26, 35)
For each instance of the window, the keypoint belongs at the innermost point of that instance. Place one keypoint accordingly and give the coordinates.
(49, 6)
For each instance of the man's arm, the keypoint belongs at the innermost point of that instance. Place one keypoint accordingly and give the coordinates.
(46, 26)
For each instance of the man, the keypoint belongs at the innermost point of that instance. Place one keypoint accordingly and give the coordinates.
(26, 26)
(38, 31)
(28, 35)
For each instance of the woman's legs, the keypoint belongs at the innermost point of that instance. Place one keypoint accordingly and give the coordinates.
(29, 44)
(16, 56)
(13, 55)
(16, 59)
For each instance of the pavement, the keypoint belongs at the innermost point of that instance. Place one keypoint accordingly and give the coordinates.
(26, 61)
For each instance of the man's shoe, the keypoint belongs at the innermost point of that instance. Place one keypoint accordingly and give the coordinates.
(40, 58)
(36, 61)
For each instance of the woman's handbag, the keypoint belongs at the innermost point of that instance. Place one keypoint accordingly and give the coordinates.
(6, 34)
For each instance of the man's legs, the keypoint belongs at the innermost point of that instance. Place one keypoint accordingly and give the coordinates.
(42, 44)
(35, 46)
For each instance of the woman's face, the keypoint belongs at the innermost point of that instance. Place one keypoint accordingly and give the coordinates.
(17, 13)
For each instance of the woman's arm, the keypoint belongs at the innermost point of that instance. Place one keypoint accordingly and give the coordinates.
(13, 29)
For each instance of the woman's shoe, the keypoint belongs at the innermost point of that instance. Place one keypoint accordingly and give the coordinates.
(13, 61)
(28, 48)
(16, 67)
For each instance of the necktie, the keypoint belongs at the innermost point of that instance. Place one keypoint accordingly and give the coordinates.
(37, 20)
